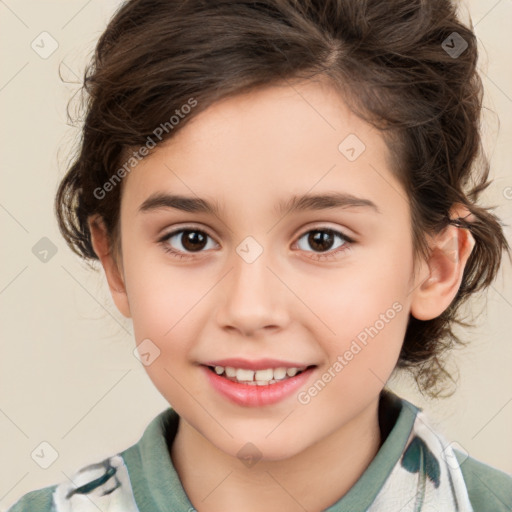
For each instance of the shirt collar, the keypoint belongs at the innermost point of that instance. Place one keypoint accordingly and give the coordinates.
(157, 487)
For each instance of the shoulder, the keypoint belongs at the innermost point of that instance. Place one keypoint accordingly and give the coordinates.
(488, 487)
(108, 485)
(101, 486)
(39, 500)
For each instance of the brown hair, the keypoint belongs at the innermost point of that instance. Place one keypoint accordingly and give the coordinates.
(389, 60)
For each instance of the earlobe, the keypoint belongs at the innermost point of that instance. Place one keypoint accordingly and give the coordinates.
(101, 245)
(440, 281)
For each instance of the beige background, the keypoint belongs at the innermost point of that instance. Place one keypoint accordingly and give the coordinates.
(68, 375)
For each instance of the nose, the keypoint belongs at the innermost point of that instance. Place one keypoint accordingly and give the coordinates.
(253, 297)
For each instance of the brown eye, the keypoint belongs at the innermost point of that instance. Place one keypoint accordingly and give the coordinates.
(183, 241)
(193, 240)
(321, 240)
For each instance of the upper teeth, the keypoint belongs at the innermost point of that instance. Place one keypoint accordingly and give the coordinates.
(258, 377)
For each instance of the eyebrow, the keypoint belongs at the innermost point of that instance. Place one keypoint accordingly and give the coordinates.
(159, 200)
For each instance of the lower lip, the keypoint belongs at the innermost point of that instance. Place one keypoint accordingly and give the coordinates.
(256, 396)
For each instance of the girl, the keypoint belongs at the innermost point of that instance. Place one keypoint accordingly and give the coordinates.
(322, 158)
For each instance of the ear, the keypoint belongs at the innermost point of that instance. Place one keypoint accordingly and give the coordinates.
(101, 245)
(440, 277)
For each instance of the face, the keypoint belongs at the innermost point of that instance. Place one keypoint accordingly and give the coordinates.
(327, 286)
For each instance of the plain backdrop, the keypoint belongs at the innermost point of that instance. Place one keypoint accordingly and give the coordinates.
(68, 375)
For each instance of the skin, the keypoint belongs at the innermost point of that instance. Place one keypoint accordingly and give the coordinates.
(246, 155)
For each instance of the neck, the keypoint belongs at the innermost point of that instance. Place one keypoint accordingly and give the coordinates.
(312, 480)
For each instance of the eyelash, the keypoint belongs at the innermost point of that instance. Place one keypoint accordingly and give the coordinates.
(318, 256)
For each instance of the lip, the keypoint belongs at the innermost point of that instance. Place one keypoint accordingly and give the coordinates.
(248, 395)
(259, 364)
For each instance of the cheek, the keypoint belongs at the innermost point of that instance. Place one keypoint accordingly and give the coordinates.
(348, 300)
(164, 304)
(160, 293)
(361, 314)
(361, 357)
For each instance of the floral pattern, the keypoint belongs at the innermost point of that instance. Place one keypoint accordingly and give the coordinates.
(104, 486)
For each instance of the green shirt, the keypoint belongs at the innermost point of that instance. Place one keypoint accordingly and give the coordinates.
(414, 470)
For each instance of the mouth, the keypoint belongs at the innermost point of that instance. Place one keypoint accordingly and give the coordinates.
(248, 387)
(263, 377)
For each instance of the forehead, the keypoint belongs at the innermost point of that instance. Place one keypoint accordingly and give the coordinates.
(269, 145)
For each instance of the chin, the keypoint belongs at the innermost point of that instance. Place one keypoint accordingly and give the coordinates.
(253, 450)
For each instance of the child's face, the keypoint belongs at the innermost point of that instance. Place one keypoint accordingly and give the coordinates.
(247, 155)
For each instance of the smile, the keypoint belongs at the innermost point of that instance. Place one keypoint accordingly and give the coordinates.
(257, 377)
(256, 388)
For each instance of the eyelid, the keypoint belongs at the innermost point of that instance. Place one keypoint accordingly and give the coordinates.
(177, 229)
(322, 256)
(318, 225)
(347, 234)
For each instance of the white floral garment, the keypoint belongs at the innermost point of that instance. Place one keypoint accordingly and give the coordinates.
(415, 470)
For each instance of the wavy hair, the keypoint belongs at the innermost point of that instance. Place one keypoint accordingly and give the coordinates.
(394, 64)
